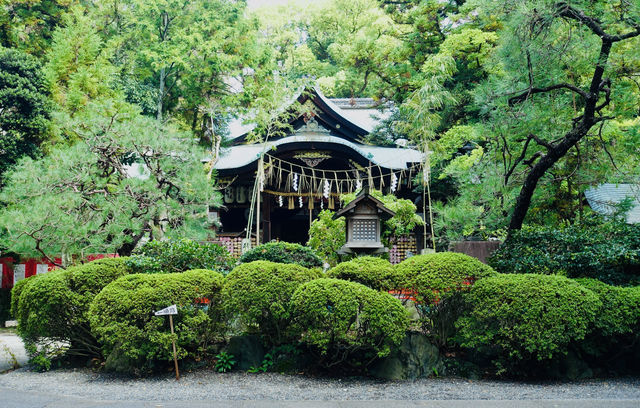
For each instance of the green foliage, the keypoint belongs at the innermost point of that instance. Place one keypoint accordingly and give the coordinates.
(283, 252)
(179, 255)
(78, 68)
(224, 362)
(28, 25)
(370, 271)
(524, 321)
(16, 291)
(327, 236)
(432, 275)
(346, 322)
(258, 295)
(122, 317)
(130, 177)
(53, 307)
(607, 251)
(24, 107)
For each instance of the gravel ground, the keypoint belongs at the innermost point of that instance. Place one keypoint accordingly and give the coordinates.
(207, 385)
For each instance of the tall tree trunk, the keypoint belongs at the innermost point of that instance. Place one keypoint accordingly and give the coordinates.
(160, 95)
(582, 124)
(545, 162)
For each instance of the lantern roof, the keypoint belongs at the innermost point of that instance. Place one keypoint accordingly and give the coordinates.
(365, 196)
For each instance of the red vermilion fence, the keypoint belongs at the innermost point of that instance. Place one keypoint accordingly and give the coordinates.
(12, 271)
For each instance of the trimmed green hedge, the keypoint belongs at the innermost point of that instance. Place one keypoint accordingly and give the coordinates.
(53, 307)
(347, 322)
(258, 294)
(431, 275)
(133, 339)
(283, 252)
(370, 271)
(523, 321)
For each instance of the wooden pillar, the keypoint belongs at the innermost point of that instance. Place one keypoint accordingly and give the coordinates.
(266, 218)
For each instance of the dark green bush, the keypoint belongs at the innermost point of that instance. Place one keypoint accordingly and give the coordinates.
(136, 341)
(53, 307)
(522, 322)
(347, 322)
(607, 251)
(283, 252)
(432, 275)
(258, 295)
(373, 272)
(5, 305)
(180, 255)
(617, 326)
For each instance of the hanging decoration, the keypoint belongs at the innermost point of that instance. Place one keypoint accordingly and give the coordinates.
(295, 182)
(280, 201)
(327, 189)
(300, 201)
(312, 158)
(394, 182)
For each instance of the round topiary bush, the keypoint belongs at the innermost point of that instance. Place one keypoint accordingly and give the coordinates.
(283, 252)
(258, 295)
(523, 321)
(136, 341)
(431, 275)
(53, 307)
(370, 271)
(347, 322)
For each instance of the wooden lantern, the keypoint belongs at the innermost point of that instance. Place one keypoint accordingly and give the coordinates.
(363, 216)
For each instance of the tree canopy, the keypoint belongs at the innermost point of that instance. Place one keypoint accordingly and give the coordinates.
(522, 105)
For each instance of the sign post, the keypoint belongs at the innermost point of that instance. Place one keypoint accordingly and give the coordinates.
(170, 311)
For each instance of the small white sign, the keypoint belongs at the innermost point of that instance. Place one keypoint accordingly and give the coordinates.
(171, 310)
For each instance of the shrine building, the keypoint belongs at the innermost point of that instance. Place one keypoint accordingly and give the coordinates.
(292, 176)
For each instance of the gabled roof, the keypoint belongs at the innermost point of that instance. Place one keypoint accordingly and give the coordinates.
(350, 121)
(331, 127)
(364, 195)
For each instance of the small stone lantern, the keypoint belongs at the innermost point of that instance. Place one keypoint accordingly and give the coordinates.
(363, 216)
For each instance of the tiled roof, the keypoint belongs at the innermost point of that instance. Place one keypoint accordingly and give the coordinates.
(603, 199)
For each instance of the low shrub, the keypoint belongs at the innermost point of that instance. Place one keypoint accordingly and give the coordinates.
(52, 308)
(432, 275)
(616, 329)
(347, 322)
(604, 250)
(370, 271)
(283, 252)
(136, 341)
(436, 281)
(180, 255)
(258, 294)
(522, 322)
